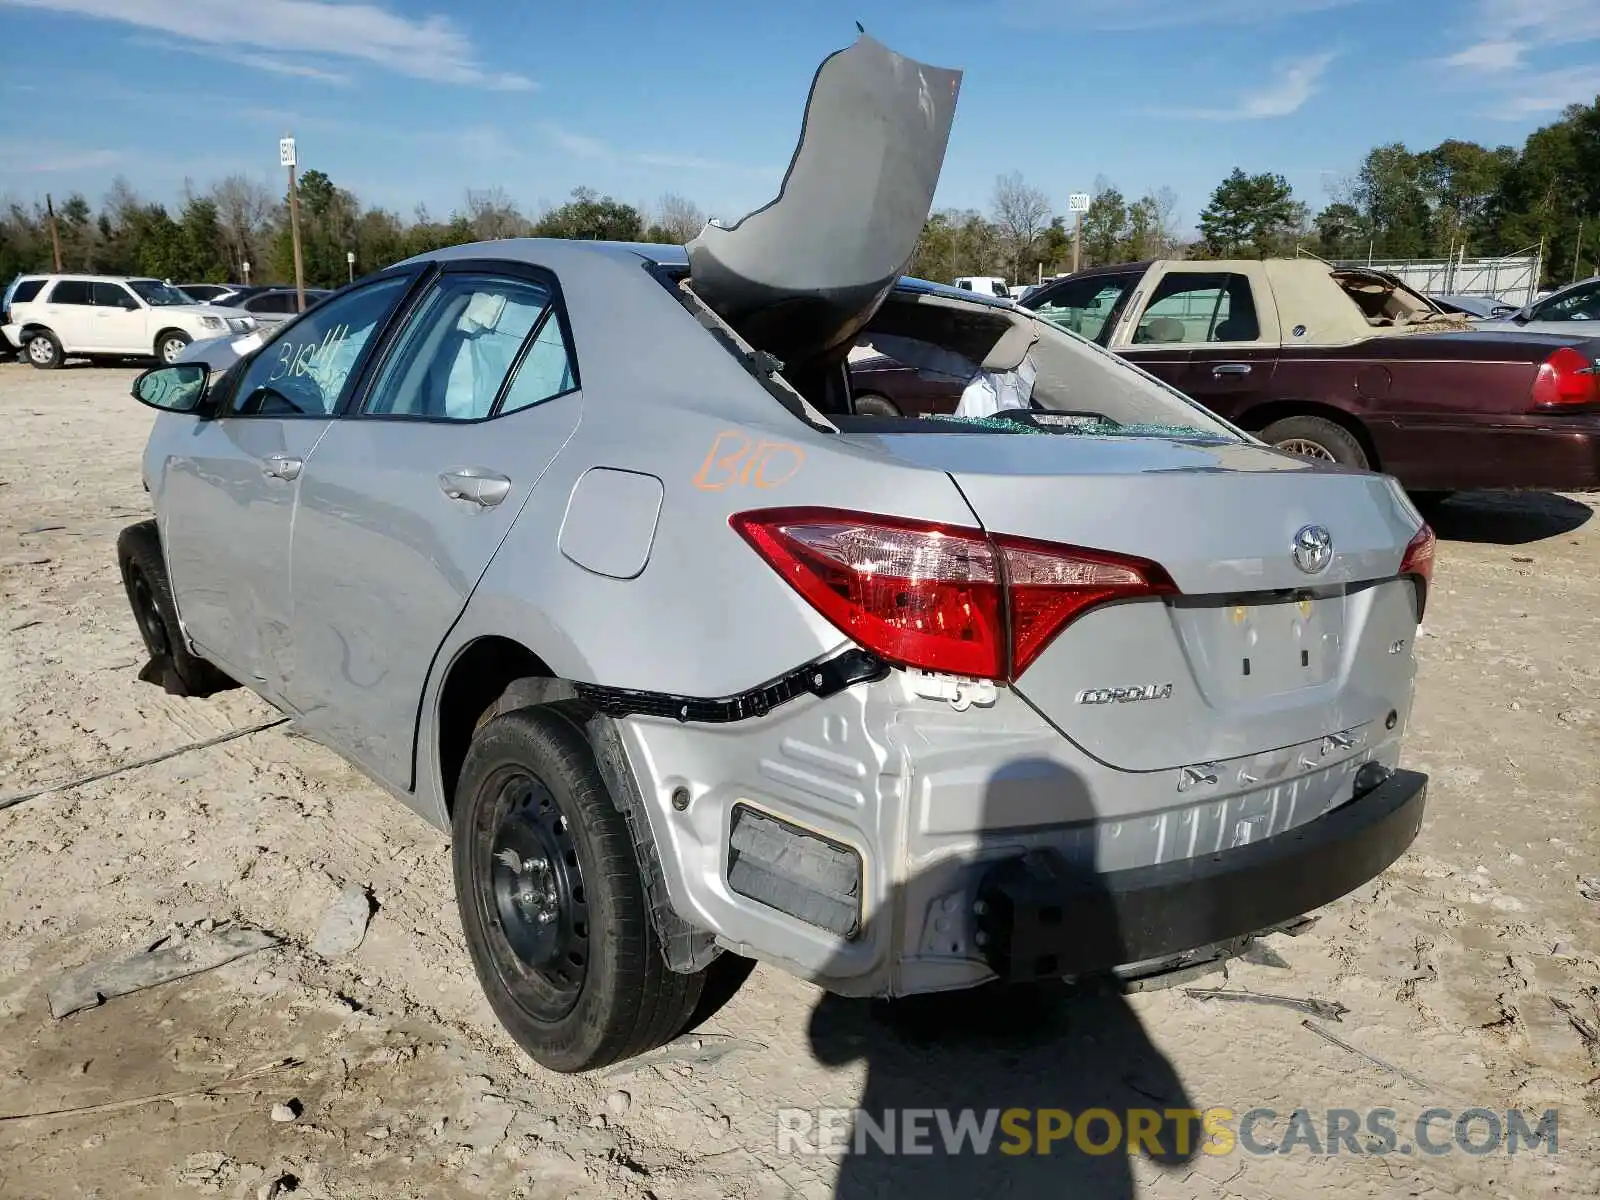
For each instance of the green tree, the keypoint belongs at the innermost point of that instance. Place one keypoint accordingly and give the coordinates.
(1105, 225)
(590, 216)
(1392, 194)
(1254, 215)
(1341, 231)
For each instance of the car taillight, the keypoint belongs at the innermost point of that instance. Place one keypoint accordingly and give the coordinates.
(939, 597)
(1566, 379)
(1417, 564)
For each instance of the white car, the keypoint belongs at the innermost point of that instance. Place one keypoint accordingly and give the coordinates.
(1574, 309)
(56, 317)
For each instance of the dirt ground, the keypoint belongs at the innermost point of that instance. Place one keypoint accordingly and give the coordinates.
(1473, 966)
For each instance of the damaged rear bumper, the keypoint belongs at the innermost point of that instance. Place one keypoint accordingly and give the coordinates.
(1039, 917)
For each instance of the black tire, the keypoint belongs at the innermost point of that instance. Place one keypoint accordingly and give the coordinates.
(871, 404)
(1334, 442)
(42, 349)
(170, 343)
(144, 578)
(551, 901)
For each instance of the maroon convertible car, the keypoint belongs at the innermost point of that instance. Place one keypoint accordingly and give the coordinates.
(1331, 362)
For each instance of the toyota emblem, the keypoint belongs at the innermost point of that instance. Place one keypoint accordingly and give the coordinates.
(1313, 549)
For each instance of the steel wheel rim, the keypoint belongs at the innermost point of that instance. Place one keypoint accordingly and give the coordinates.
(535, 897)
(1306, 448)
(40, 350)
(148, 615)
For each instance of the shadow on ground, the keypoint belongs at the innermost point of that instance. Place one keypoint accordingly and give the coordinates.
(1506, 518)
(1022, 1059)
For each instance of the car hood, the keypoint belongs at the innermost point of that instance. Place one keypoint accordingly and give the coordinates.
(220, 353)
(802, 274)
(203, 310)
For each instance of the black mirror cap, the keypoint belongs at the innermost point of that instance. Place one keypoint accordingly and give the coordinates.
(175, 387)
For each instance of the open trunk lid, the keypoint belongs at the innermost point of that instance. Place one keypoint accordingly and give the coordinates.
(1256, 653)
(801, 275)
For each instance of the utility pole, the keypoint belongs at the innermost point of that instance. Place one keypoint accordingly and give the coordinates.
(1577, 250)
(286, 158)
(1077, 205)
(55, 237)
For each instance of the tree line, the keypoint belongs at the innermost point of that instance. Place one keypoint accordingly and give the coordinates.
(1457, 197)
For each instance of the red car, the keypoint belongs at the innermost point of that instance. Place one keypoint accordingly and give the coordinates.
(1337, 363)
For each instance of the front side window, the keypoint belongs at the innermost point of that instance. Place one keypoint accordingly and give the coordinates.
(1199, 307)
(158, 294)
(456, 354)
(71, 291)
(1085, 306)
(307, 370)
(1580, 304)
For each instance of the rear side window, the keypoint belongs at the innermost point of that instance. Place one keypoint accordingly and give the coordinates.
(273, 302)
(70, 291)
(26, 291)
(467, 339)
(1199, 307)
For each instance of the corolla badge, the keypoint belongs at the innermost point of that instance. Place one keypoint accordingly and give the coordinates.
(1313, 549)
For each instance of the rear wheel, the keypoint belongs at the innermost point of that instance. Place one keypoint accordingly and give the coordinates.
(42, 349)
(551, 901)
(144, 578)
(170, 344)
(1319, 438)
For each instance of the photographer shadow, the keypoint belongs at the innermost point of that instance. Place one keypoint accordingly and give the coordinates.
(1039, 1056)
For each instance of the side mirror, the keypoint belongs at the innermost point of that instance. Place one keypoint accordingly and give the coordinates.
(1523, 315)
(179, 388)
(128, 302)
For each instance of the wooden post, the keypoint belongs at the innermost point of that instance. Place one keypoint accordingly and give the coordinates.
(294, 232)
(55, 237)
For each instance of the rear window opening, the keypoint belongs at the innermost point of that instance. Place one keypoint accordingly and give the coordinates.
(1388, 304)
(1053, 382)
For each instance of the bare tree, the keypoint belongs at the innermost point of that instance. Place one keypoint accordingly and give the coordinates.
(678, 217)
(494, 214)
(245, 209)
(1021, 213)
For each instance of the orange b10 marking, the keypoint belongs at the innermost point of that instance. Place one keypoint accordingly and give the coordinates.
(735, 459)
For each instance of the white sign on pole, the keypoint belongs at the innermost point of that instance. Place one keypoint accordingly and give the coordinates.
(1078, 202)
(286, 152)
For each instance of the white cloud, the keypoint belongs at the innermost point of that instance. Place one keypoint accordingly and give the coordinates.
(1153, 14)
(1550, 92)
(246, 58)
(1509, 48)
(1294, 81)
(1489, 56)
(431, 47)
(577, 144)
(12, 159)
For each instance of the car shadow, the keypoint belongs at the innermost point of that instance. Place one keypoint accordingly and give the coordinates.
(1506, 518)
(1052, 1050)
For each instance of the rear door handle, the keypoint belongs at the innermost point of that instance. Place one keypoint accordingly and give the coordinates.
(282, 466)
(475, 485)
(1223, 370)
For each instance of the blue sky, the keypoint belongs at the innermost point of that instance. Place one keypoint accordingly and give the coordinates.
(409, 101)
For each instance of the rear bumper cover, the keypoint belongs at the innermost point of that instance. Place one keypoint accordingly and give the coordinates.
(1039, 917)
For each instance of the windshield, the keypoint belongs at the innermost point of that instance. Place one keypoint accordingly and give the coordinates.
(157, 294)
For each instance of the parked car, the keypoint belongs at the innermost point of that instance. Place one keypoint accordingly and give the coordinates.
(210, 293)
(984, 285)
(270, 306)
(1574, 310)
(1482, 308)
(27, 288)
(1105, 689)
(1347, 365)
(56, 317)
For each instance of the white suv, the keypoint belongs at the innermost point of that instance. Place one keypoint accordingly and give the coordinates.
(54, 317)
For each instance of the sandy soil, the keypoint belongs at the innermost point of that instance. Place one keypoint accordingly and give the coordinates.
(1473, 965)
